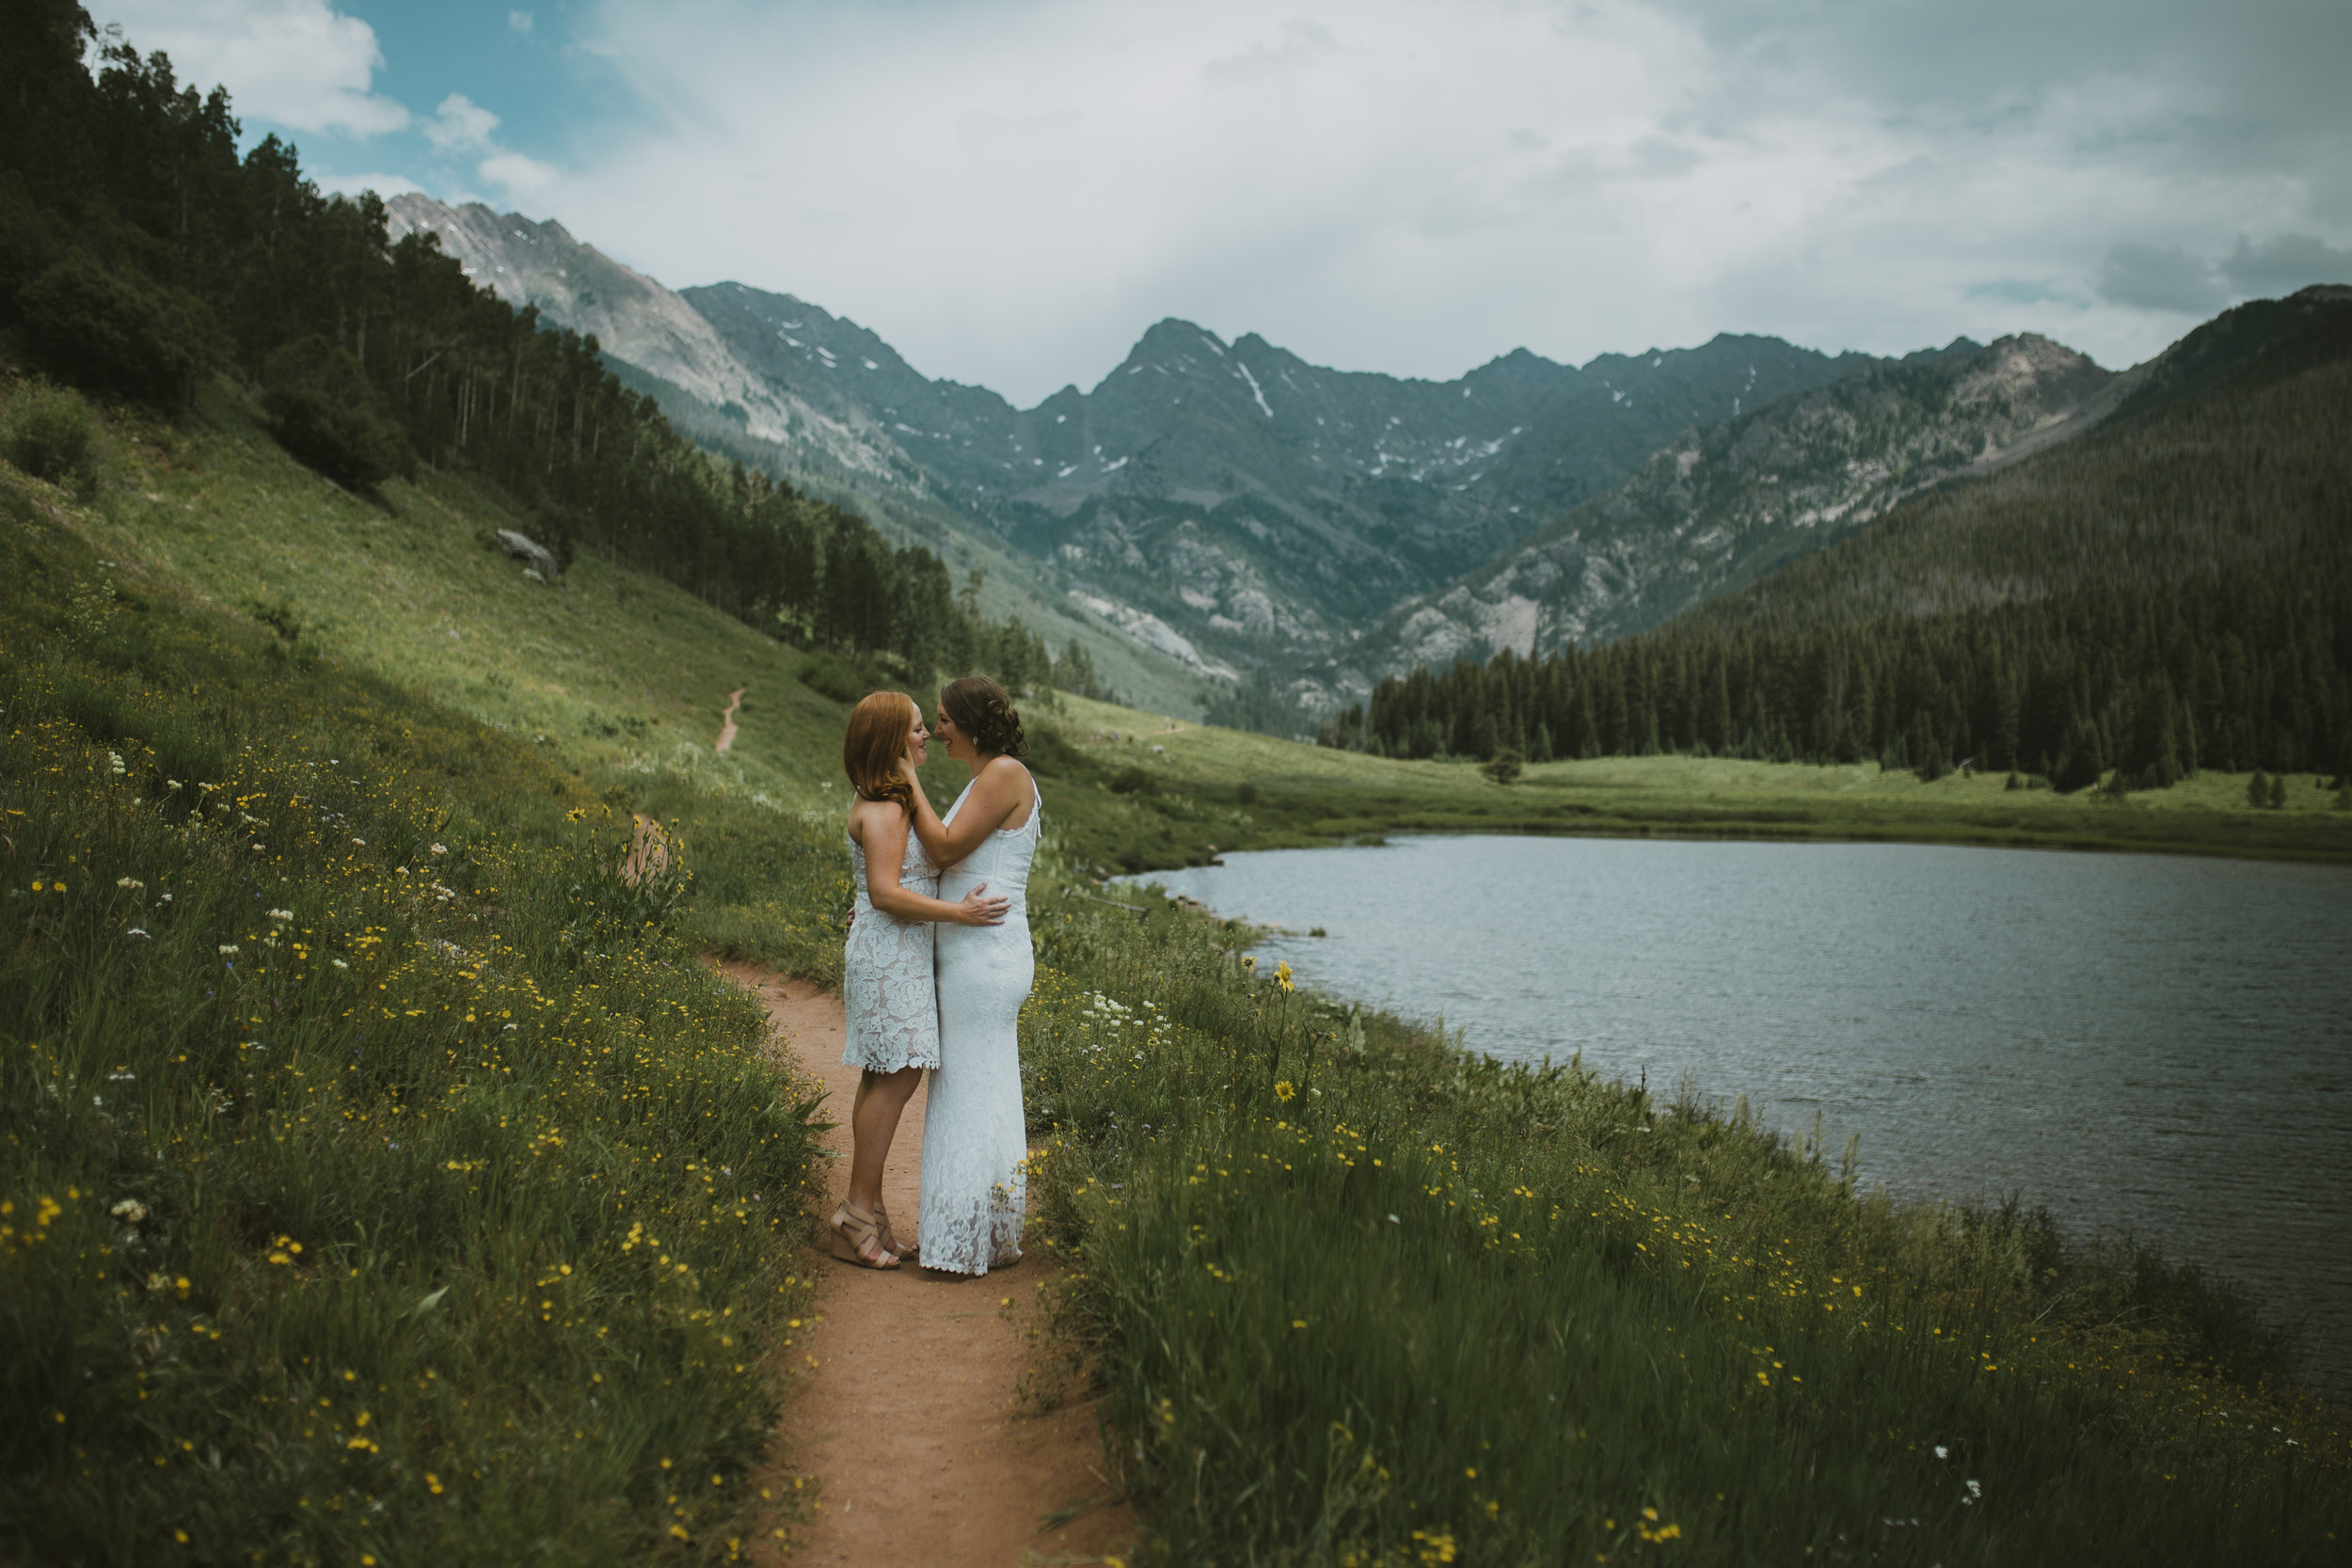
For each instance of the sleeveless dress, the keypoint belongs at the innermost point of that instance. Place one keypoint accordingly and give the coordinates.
(886, 986)
(974, 1134)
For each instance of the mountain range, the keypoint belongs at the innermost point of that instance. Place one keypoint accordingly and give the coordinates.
(1217, 513)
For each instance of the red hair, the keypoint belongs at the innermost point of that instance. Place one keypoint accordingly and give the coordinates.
(874, 743)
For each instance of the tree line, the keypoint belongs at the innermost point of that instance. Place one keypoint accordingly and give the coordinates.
(2170, 595)
(140, 254)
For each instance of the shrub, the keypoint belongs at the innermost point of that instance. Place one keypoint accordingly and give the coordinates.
(47, 431)
(1504, 767)
(835, 678)
(118, 332)
(327, 416)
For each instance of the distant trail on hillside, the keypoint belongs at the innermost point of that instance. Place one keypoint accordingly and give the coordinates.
(910, 1416)
(726, 721)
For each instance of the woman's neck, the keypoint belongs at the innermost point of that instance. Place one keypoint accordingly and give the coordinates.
(979, 760)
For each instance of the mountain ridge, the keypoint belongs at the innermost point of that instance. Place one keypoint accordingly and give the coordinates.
(1230, 514)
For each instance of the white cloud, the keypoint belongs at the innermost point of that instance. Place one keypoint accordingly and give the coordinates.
(352, 185)
(1011, 193)
(460, 126)
(524, 179)
(295, 63)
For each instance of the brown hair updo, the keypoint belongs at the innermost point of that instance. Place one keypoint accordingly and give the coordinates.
(981, 710)
(874, 742)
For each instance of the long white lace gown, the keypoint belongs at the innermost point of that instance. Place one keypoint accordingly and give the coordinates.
(887, 991)
(974, 1134)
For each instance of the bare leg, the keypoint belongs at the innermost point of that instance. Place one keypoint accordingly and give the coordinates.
(881, 1098)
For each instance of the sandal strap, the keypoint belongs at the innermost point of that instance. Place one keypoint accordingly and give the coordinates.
(859, 1228)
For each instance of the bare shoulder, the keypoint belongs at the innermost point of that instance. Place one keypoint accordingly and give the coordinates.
(867, 817)
(1012, 793)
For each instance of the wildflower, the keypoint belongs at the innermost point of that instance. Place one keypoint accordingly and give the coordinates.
(1284, 1090)
(128, 882)
(339, 963)
(281, 914)
(1249, 962)
(228, 949)
(441, 849)
(360, 842)
(130, 1211)
(113, 761)
(1283, 977)
(138, 932)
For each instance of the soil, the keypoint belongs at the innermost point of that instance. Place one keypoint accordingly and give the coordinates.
(726, 729)
(914, 1420)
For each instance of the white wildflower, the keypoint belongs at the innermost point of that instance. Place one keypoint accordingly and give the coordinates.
(128, 882)
(281, 914)
(113, 761)
(130, 1211)
(228, 949)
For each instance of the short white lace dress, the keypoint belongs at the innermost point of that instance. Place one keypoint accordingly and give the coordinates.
(976, 1138)
(886, 985)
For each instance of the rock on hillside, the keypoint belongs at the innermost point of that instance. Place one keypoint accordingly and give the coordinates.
(1722, 506)
(641, 327)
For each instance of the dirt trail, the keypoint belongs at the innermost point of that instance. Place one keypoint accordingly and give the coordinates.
(726, 722)
(910, 1420)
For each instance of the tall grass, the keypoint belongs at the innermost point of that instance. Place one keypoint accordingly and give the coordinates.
(1355, 1297)
(376, 1183)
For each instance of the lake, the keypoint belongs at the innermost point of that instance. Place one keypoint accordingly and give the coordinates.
(2155, 1043)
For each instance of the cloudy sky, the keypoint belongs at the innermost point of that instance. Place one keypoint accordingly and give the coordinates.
(1009, 191)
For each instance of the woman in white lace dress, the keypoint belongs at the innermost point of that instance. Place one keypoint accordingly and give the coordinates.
(974, 1134)
(886, 985)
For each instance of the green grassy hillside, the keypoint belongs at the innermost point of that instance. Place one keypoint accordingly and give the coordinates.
(381, 1178)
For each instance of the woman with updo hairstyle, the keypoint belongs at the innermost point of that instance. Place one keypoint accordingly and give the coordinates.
(974, 1134)
(892, 1010)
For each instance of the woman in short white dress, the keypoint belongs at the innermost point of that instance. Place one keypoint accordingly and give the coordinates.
(974, 1134)
(886, 983)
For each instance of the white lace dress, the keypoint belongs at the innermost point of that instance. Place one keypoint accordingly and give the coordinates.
(886, 985)
(974, 1134)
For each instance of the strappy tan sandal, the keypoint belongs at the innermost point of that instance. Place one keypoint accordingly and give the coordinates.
(890, 1242)
(856, 1238)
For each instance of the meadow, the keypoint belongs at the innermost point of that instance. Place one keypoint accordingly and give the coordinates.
(380, 1177)
(386, 1178)
(1237, 790)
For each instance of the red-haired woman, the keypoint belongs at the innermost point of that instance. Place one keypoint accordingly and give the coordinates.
(886, 983)
(975, 1137)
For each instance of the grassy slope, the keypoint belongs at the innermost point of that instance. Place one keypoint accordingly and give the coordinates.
(376, 1183)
